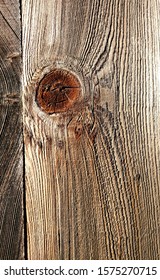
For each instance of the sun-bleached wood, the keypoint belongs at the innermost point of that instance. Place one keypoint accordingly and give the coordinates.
(92, 174)
(11, 139)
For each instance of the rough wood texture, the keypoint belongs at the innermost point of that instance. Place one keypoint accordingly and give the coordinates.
(11, 154)
(92, 174)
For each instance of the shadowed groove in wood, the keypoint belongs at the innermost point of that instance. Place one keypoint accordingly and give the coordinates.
(92, 176)
(11, 157)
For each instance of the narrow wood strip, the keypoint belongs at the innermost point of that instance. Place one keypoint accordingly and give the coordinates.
(11, 145)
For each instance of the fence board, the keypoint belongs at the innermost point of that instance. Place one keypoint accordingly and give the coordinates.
(11, 142)
(92, 172)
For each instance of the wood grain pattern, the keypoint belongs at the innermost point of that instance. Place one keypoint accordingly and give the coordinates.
(11, 143)
(92, 174)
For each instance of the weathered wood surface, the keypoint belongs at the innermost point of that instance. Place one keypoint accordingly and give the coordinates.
(11, 141)
(92, 174)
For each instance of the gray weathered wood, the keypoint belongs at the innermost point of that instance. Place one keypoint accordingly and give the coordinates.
(11, 145)
(92, 174)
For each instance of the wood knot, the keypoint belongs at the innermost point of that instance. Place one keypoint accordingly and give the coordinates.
(57, 91)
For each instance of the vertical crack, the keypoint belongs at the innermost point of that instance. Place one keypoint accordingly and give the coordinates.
(24, 205)
(23, 149)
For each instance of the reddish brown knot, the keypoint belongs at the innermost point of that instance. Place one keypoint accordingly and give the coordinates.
(57, 91)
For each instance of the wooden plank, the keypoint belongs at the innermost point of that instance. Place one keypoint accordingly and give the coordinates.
(92, 172)
(11, 144)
